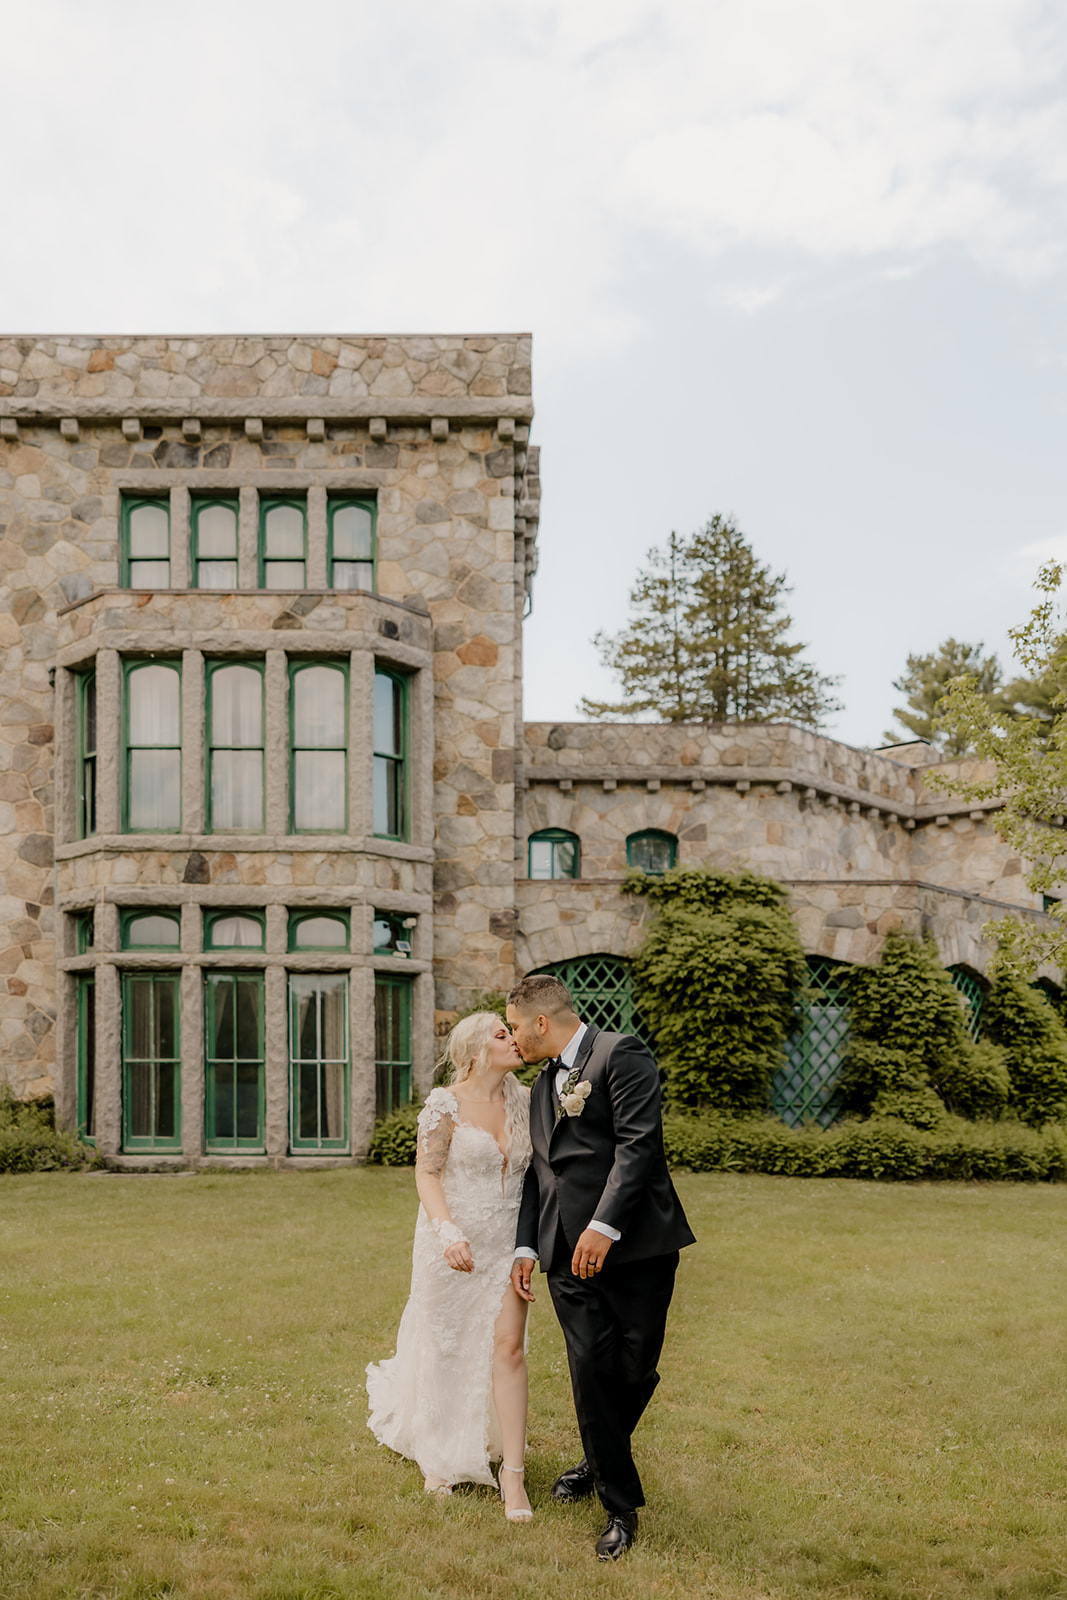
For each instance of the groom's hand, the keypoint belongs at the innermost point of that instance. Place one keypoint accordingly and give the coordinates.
(521, 1273)
(589, 1253)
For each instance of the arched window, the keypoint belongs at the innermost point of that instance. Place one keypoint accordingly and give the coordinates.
(652, 851)
(234, 930)
(235, 746)
(601, 987)
(151, 930)
(153, 748)
(318, 930)
(554, 853)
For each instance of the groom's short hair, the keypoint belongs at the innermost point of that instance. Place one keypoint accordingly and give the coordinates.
(541, 993)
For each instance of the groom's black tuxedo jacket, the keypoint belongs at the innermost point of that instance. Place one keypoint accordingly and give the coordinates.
(607, 1164)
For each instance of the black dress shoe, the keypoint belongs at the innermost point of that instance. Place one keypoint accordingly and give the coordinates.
(618, 1536)
(574, 1484)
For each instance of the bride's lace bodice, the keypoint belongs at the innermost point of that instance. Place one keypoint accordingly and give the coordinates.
(433, 1401)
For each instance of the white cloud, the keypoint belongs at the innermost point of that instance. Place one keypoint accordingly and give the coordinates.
(362, 165)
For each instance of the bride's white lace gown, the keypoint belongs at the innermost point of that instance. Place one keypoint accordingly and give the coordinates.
(433, 1402)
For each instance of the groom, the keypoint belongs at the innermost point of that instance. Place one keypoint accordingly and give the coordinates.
(599, 1208)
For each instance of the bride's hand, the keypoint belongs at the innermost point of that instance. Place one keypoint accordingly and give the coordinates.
(459, 1257)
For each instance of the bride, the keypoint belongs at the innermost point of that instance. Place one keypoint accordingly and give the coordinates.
(454, 1395)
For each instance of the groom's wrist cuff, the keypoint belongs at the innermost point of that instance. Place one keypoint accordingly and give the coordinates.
(609, 1233)
(523, 1253)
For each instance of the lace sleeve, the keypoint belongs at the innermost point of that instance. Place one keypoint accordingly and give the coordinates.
(435, 1132)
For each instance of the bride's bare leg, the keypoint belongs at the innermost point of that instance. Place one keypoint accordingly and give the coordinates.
(510, 1392)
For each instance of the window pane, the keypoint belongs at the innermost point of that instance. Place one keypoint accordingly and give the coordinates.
(216, 532)
(149, 574)
(89, 716)
(387, 718)
(139, 1021)
(313, 933)
(566, 858)
(236, 706)
(149, 532)
(216, 574)
(220, 1044)
(152, 930)
(540, 858)
(386, 795)
(283, 575)
(353, 575)
(247, 1089)
(234, 933)
(319, 708)
(166, 1108)
(331, 1091)
(319, 799)
(154, 706)
(247, 1019)
(237, 789)
(140, 1108)
(352, 533)
(166, 991)
(283, 530)
(332, 990)
(223, 1121)
(155, 789)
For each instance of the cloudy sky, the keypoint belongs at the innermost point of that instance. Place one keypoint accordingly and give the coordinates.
(797, 260)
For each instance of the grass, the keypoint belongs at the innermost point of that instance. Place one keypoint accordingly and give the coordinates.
(863, 1395)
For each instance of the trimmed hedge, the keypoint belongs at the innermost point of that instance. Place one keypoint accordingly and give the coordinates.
(395, 1136)
(30, 1141)
(881, 1147)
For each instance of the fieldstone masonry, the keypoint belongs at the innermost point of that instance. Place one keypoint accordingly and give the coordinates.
(435, 431)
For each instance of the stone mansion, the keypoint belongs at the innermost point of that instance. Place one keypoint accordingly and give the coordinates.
(269, 811)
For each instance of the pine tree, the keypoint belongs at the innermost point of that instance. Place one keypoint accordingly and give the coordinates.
(925, 681)
(707, 639)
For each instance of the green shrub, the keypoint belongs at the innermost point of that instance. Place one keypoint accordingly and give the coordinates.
(30, 1141)
(716, 979)
(908, 1032)
(1033, 1039)
(883, 1148)
(919, 1108)
(395, 1136)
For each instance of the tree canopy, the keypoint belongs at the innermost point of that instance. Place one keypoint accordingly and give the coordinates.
(707, 640)
(925, 681)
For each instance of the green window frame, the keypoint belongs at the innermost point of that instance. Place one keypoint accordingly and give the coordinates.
(318, 1061)
(319, 930)
(147, 928)
(319, 718)
(235, 770)
(85, 1017)
(84, 932)
(554, 853)
(144, 537)
(234, 928)
(151, 1061)
(390, 783)
(393, 1061)
(351, 543)
(652, 850)
(152, 741)
(85, 713)
(280, 540)
(214, 520)
(393, 934)
(234, 1059)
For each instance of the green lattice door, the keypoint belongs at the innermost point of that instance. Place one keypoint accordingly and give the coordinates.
(805, 1088)
(602, 990)
(972, 989)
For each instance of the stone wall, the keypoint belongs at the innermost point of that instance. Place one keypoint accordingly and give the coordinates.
(435, 429)
(865, 843)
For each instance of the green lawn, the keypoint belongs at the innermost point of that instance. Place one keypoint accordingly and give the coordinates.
(864, 1394)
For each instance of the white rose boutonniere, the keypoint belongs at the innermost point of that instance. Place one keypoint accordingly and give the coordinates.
(574, 1102)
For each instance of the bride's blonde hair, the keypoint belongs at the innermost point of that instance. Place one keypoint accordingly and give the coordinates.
(466, 1052)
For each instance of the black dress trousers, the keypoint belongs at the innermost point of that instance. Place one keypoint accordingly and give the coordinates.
(613, 1325)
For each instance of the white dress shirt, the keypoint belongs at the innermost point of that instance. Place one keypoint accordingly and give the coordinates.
(566, 1063)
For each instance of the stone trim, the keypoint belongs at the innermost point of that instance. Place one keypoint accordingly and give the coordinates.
(286, 408)
(743, 779)
(216, 843)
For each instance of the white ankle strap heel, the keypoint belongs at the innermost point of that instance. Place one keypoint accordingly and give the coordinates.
(513, 1516)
